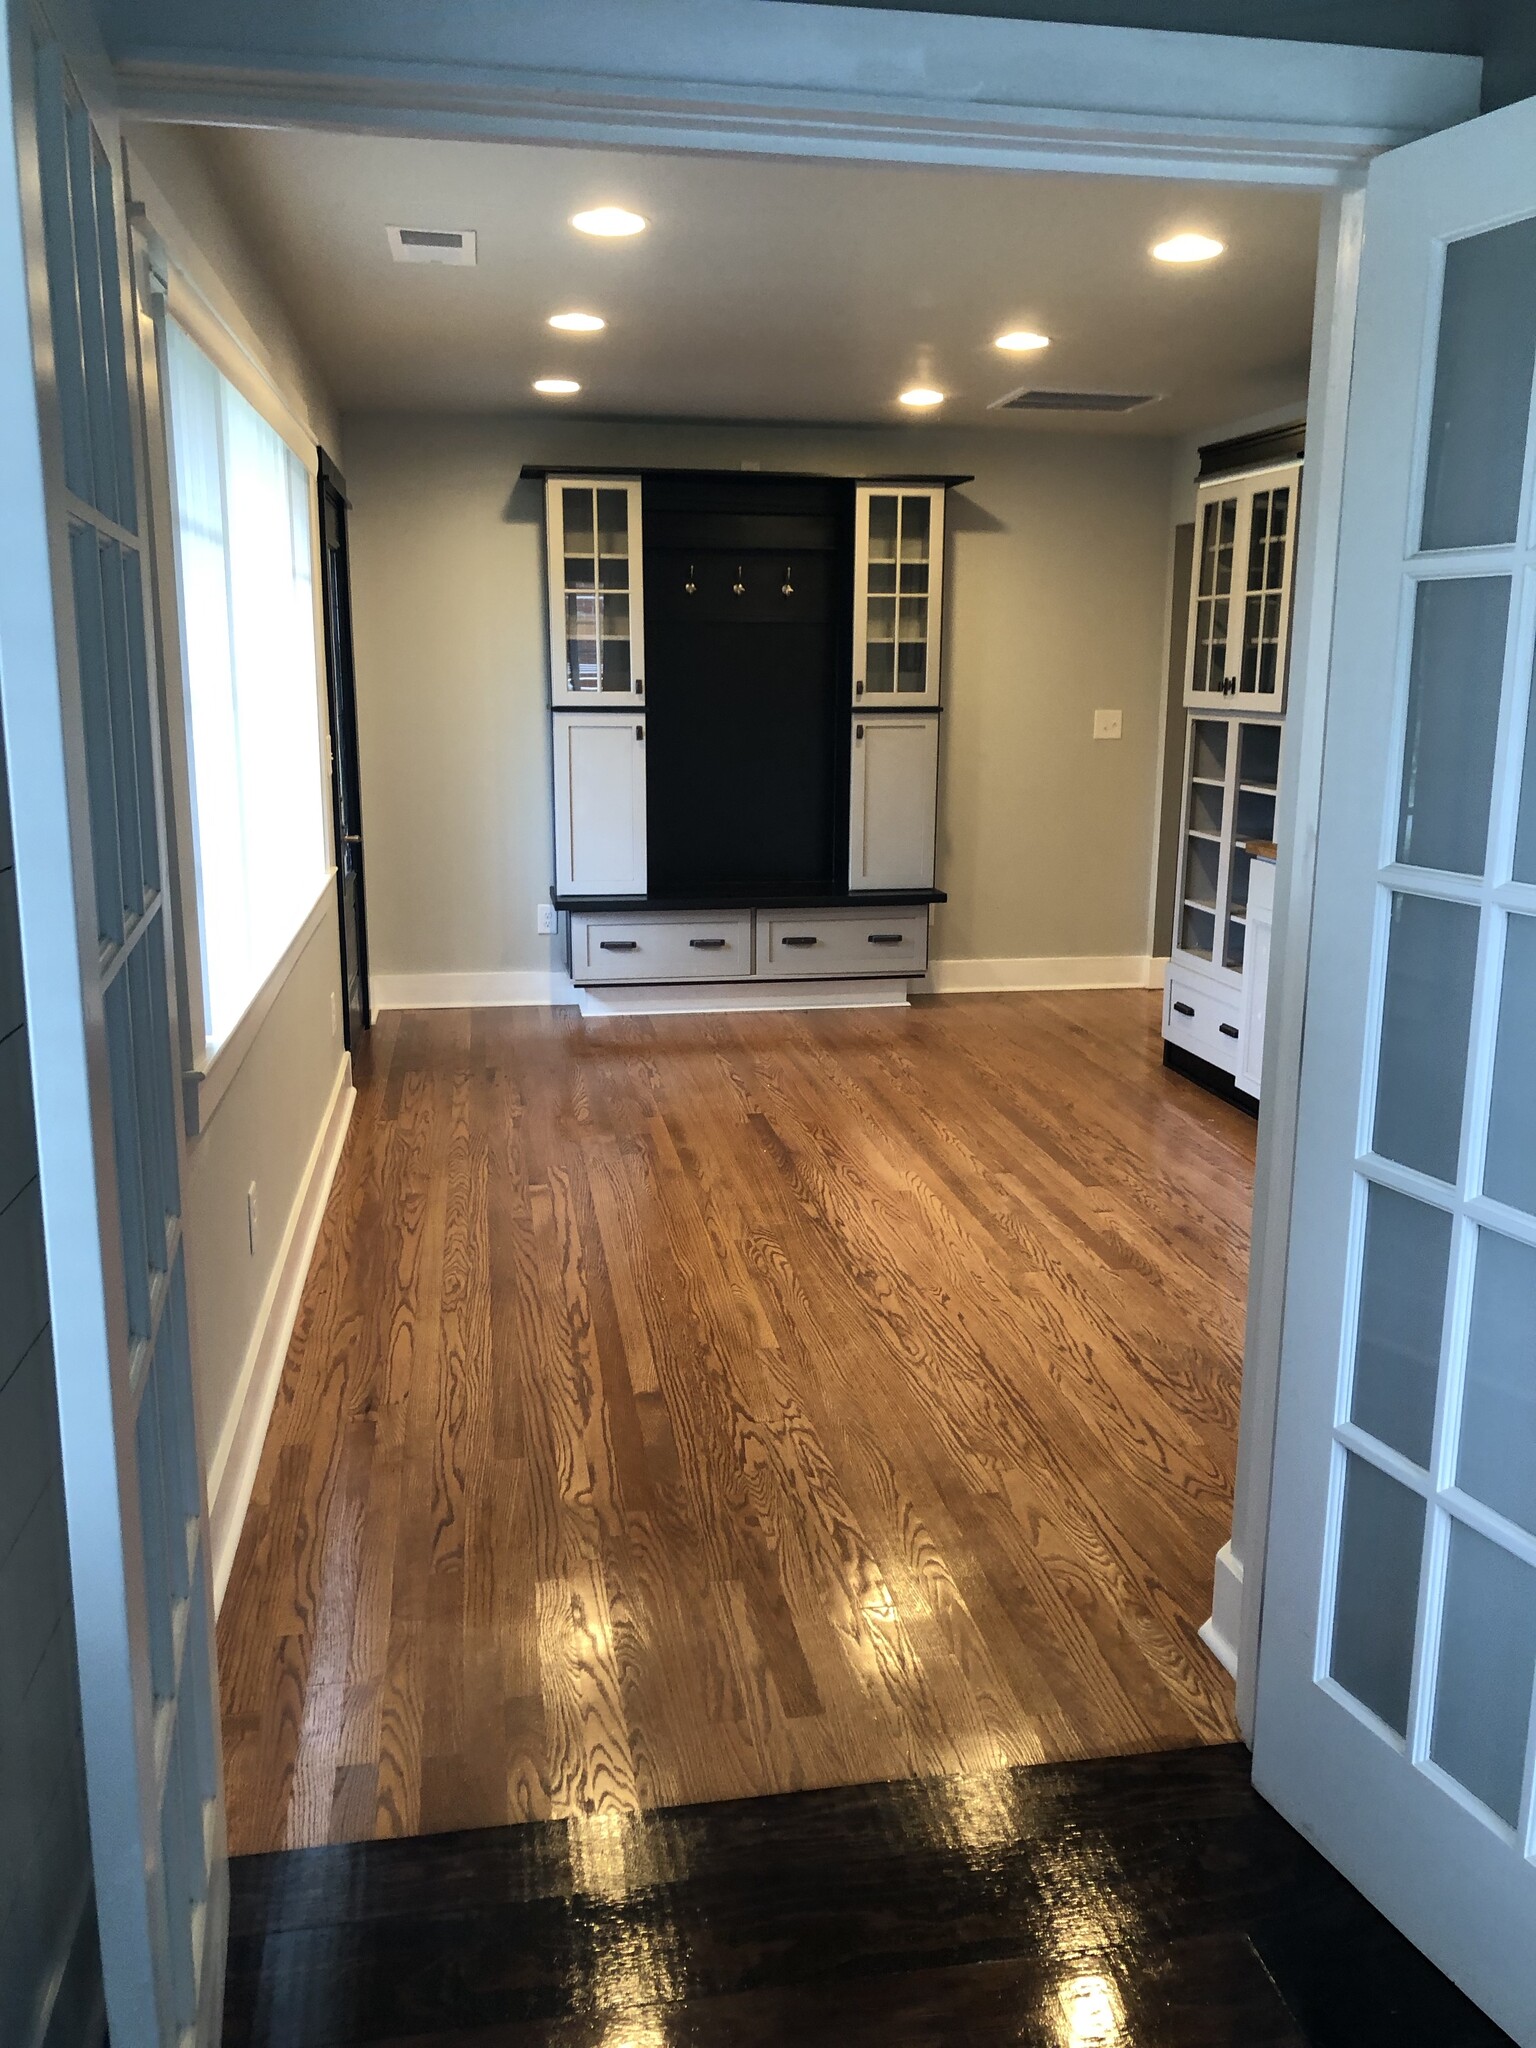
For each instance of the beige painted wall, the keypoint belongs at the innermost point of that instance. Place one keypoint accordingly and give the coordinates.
(265, 1126)
(1056, 606)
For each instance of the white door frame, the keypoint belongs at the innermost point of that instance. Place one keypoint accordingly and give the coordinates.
(869, 85)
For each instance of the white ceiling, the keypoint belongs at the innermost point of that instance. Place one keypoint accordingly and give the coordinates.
(766, 289)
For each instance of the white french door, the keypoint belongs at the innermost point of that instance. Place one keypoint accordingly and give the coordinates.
(77, 683)
(1394, 1717)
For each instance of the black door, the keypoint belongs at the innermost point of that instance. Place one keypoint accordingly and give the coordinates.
(346, 781)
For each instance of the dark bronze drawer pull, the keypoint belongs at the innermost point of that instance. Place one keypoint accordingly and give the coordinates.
(1228, 1030)
(619, 945)
(798, 942)
(707, 945)
(1184, 1009)
(886, 938)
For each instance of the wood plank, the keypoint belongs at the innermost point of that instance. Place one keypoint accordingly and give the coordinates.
(688, 1408)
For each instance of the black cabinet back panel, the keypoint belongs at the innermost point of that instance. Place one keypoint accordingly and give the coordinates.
(746, 620)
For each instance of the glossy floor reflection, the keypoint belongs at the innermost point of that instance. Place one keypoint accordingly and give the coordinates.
(1141, 1902)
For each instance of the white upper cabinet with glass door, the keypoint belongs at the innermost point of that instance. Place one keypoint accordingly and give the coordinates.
(1240, 597)
(596, 602)
(898, 577)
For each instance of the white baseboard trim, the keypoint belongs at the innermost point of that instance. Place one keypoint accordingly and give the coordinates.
(1041, 971)
(743, 995)
(232, 1469)
(496, 989)
(1223, 1631)
(511, 988)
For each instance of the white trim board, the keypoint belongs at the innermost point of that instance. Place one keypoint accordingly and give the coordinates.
(496, 988)
(232, 1468)
(802, 80)
(1220, 1634)
(525, 987)
(1043, 971)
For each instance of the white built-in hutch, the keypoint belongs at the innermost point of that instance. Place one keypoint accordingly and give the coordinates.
(1235, 669)
(745, 711)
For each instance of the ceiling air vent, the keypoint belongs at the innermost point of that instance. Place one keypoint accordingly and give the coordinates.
(1030, 398)
(432, 245)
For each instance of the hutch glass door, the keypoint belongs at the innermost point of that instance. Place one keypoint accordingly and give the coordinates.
(898, 568)
(593, 538)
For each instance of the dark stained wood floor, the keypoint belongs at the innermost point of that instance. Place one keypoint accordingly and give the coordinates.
(690, 1408)
(1138, 1902)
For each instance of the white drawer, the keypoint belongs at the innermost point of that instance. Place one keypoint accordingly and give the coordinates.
(797, 946)
(693, 946)
(1204, 1020)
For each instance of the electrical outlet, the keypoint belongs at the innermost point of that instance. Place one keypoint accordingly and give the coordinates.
(1106, 725)
(546, 919)
(252, 1214)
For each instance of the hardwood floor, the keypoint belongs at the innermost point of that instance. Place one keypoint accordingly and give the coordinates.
(688, 1408)
(1141, 1902)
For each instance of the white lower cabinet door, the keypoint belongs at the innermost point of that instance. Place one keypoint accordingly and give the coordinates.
(599, 803)
(893, 810)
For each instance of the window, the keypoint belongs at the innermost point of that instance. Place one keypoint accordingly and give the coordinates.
(245, 579)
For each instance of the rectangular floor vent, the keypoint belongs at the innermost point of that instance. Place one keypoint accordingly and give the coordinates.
(1030, 398)
(432, 245)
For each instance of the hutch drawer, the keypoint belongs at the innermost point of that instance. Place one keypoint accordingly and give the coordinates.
(795, 945)
(690, 946)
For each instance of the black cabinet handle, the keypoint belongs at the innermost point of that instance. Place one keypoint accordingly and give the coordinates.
(619, 945)
(798, 942)
(1185, 1009)
(858, 732)
(885, 938)
(1228, 1030)
(639, 686)
(858, 688)
(639, 732)
(707, 945)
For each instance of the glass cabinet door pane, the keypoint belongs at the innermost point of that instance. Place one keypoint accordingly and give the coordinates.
(1402, 1309)
(1208, 762)
(1496, 1458)
(1197, 932)
(579, 519)
(916, 527)
(1509, 1169)
(1218, 534)
(883, 510)
(1376, 1593)
(1525, 838)
(1268, 532)
(613, 522)
(1487, 351)
(1426, 1017)
(1454, 687)
(1487, 1659)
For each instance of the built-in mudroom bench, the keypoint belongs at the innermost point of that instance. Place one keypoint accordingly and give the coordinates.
(745, 718)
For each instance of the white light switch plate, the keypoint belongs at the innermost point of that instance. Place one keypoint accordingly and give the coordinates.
(1106, 725)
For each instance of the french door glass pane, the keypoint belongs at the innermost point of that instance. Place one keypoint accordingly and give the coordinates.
(577, 510)
(1426, 1016)
(1509, 1171)
(882, 527)
(1402, 1308)
(1487, 351)
(1486, 1664)
(613, 522)
(1496, 1461)
(1453, 721)
(1377, 1591)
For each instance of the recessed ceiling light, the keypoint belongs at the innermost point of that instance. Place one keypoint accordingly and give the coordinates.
(1188, 249)
(1019, 341)
(556, 387)
(578, 323)
(609, 220)
(921, 395)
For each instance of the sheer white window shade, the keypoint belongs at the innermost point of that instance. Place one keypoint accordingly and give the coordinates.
(245, 549)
